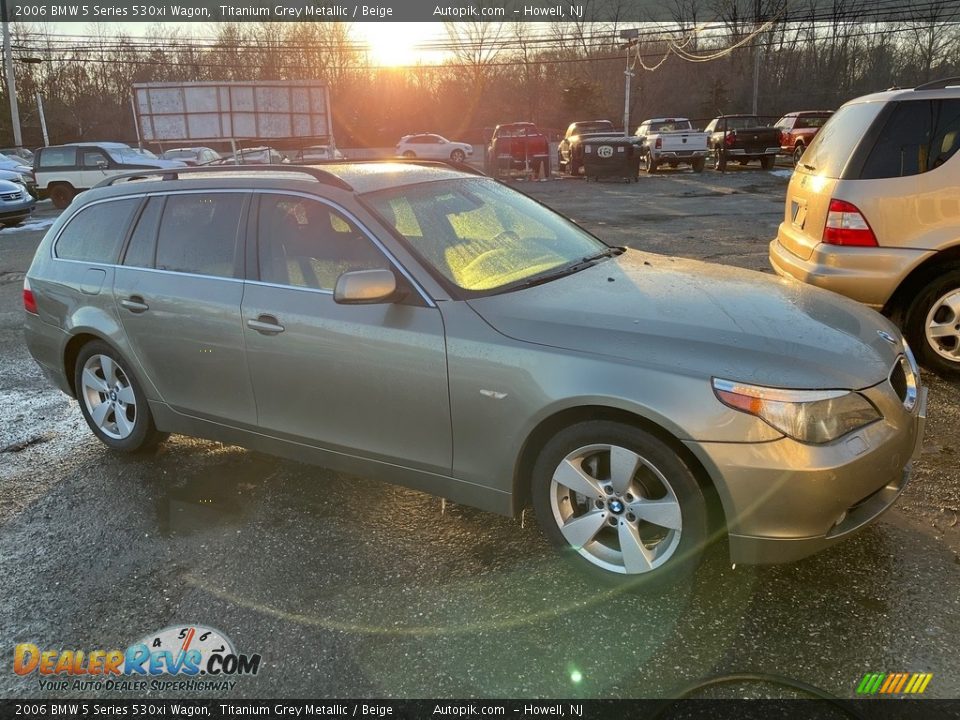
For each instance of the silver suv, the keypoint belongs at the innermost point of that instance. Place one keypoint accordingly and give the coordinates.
(438, 329)
(872, 213)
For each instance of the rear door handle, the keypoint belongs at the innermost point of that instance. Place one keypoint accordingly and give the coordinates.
(265, 325)
(135, 304)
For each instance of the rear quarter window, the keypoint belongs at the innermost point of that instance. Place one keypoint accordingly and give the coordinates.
(96, 232)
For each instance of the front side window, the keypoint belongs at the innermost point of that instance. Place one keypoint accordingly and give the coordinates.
(96, 232)
(482, 236)
(94, 159)
(198, 233)
(307, 244)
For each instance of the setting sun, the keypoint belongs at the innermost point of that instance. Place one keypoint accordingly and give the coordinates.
(400, 44)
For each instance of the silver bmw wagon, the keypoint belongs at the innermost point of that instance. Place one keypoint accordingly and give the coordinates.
(434, 328)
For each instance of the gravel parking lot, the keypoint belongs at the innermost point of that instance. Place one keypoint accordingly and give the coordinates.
(416, 599)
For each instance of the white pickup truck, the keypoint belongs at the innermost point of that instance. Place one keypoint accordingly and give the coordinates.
(672, 141)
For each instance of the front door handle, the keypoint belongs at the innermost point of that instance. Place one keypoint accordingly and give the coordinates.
(135, 304)
(265, 325)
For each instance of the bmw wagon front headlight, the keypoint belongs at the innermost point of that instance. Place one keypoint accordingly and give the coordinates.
(810, 416)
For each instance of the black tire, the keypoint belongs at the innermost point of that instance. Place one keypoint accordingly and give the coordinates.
(798, 153)
(649, 164)
(61, 194)
(144, 434)
(458, 156)
(698, 164)
(409, 154)
(680, 553)
(574, 167)
(928, 305)
(767, 162)
(720, 160)
(744, 162)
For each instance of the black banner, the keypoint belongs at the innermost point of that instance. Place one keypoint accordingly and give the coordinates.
(620, 11)
(519, 709)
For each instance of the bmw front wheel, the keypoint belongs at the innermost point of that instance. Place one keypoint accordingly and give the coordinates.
(621, 503)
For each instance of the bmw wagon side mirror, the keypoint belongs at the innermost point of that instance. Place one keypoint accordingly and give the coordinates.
(361, 287)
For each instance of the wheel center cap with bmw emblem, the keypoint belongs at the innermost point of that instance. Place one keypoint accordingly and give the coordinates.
(616, 506)
(113, 395)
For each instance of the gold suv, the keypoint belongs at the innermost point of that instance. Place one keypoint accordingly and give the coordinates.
(873, 213)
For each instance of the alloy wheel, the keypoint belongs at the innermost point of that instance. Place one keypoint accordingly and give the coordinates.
(942, 327)
(616, 509)
(109, 398)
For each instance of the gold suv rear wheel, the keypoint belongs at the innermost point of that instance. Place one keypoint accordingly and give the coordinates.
(933, 324)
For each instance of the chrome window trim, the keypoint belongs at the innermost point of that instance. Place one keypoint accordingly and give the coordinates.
(260, 191)
(352, 218)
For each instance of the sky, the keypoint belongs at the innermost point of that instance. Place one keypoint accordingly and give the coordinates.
(391, 43)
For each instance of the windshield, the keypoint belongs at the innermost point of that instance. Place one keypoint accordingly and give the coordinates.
(128, 155)
(834, 144)
(480, 235)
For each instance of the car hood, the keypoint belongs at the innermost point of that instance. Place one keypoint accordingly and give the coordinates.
(702, 319)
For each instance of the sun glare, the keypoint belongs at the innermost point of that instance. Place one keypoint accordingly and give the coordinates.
(399, 44)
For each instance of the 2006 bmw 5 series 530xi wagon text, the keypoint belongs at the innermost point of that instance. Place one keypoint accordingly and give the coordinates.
(434, 328)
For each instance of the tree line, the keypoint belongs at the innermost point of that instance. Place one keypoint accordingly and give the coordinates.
(699, 64)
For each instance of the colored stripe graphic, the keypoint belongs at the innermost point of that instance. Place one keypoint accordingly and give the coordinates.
(894, 683)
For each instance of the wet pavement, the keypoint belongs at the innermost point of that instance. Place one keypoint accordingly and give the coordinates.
(348, 587)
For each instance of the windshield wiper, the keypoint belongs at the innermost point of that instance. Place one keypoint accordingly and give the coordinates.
(581, 264)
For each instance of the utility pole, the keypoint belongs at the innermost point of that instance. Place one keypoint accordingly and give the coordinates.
(631, 37)
(43, 120)
(756, 56)
(11, 82)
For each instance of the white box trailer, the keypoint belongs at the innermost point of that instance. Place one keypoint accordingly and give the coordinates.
(196, 112)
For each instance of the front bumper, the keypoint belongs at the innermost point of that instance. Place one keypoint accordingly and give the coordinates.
(785, 500)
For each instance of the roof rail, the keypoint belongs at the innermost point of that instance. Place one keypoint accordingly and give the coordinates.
(462, 167)
(327, 178)
(939, 84)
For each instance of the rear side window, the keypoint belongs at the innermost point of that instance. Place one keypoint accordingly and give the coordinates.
(96, 232)
(143, 241)
(919, 136)
(57, 157)
(198, 233)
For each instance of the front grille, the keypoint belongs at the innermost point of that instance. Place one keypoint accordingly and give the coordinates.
(898, 379)
(10, 196)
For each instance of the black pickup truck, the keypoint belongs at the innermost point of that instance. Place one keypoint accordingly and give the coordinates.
(743, 138)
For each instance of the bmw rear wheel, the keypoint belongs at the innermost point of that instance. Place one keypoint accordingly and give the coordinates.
(458, 156)
(111, 400)
(621, 503)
